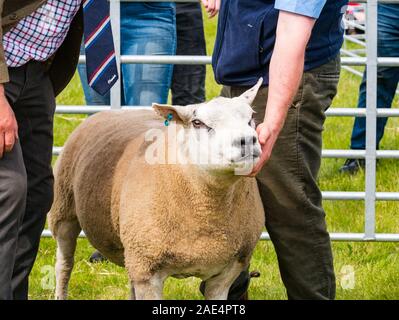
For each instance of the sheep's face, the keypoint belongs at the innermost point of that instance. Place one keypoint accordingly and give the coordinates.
(218, 135)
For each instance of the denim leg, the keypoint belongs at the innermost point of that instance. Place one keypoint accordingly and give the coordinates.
(358, 139)
(387, 77)
(147, 29)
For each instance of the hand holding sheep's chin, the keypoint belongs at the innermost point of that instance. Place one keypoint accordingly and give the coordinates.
(267, 138)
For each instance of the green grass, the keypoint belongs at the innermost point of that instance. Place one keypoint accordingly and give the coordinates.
(375, 265)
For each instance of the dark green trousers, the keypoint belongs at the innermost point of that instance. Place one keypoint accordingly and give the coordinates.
(295, 218)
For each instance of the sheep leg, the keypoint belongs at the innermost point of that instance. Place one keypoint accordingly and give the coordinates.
(132, 292)
(66, 237)
(217, 287)
(151, 289)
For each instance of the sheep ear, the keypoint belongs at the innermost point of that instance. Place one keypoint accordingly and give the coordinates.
(250, 95)
(179, 113)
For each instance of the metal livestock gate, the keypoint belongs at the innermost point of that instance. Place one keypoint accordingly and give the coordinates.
(372, 61)
(355, 39)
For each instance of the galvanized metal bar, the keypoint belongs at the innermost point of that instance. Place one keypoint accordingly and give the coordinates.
(388, 61)
(353, 154)
(335, 236)
(361, 61)
(343, 195)
(332, 112)
(379, 237)
(361, 52)
(116, 28)
(359, 195)
(360, 112)
(354, 61)
(346, 112)
(198, 60)
(354, 40)
(352, 23)
(371, 118)
(349, 53)
(387, 154)
(387, 196)
(359, 154)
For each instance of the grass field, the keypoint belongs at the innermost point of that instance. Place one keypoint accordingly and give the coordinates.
(375, 266)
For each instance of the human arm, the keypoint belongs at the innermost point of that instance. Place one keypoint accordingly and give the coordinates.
(285, 73)
(8, 123)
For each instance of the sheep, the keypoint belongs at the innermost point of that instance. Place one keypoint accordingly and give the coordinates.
(161, 219)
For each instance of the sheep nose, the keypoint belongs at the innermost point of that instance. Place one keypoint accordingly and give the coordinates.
(246, 144)
(245, 141)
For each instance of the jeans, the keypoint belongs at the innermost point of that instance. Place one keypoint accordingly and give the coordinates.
(295, 218)
(146, 29)
(188, 85)
(387, 77)
(26, 177)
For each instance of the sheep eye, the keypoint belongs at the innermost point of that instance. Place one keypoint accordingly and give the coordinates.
(251, 123)
(197, 123)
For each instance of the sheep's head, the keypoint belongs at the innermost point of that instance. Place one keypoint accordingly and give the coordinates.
(218, 135)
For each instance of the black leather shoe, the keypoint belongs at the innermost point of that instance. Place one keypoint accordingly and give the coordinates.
(97, 257)
(352, 166)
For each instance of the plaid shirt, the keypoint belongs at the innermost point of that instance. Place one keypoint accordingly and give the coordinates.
(38, 36)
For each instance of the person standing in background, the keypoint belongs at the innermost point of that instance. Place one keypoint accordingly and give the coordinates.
(39, 51)
(147, 28)
(188, 83)
(387, 83)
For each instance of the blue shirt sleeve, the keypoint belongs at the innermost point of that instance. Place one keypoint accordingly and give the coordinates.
(309, 8)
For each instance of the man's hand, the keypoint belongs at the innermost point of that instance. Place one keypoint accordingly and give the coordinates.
(212, 7)
(267, 139)
(8, 125)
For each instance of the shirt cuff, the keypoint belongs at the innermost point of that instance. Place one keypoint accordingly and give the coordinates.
(309, 8)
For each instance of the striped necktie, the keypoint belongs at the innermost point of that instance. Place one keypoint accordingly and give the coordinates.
(102, 72)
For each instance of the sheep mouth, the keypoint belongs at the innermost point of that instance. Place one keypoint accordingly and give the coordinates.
(252, 157)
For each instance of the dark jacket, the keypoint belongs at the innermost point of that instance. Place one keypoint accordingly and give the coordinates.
(247, 33)
(62, 64)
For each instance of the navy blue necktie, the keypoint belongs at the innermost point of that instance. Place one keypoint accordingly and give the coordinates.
(102, 72)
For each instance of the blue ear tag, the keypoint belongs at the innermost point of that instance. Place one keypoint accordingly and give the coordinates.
(169, 118)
